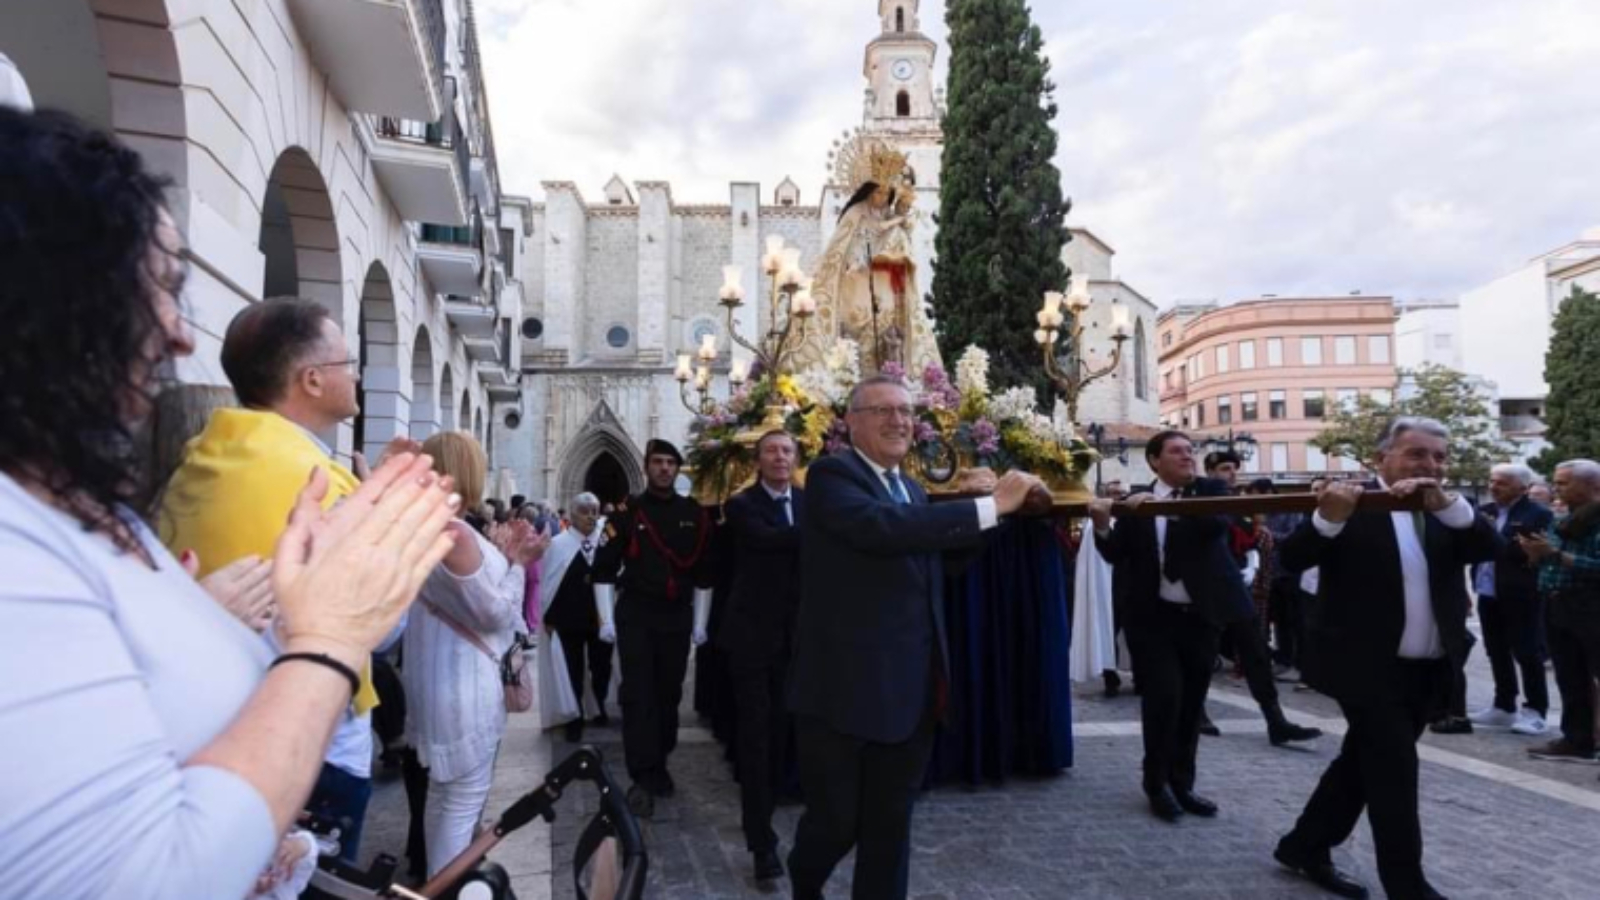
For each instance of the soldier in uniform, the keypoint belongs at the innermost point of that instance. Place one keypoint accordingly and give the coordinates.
(657, 552)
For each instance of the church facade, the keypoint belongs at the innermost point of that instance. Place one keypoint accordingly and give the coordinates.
(617, 285)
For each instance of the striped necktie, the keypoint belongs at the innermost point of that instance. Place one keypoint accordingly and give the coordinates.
(897, 488)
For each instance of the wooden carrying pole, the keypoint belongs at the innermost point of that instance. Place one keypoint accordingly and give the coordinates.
(1244, 505)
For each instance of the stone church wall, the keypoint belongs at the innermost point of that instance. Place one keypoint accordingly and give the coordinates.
(612, 274)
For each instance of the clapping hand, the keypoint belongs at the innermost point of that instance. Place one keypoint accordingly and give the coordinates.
(395, 447)
(519, 541)
(345, 576)
(1536, 546)
(243, 588)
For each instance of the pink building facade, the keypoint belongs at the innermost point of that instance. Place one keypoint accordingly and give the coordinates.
(1274, 369)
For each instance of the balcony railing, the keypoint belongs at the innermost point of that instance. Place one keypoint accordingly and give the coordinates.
(457, 235)
(431, 14)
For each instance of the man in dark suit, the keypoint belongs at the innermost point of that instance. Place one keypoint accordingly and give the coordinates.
(1509, 607)
(763, 523)
(1390, 628)
(1183, 583)
(870, 667)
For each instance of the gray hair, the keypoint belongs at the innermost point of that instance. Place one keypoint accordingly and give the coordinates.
(1403, 424)
(1521, 473)
(1586, 469)
(586, 500)
(863, 384)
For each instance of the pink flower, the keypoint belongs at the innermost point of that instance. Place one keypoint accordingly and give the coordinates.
(893, 370)
(922, 433)
(985, 437)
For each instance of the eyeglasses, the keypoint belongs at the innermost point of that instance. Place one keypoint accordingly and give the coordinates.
(885, 412)
(348, 364)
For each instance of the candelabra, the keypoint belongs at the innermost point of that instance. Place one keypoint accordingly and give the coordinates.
(1118, 448)
(1076, 374)
(790, 308)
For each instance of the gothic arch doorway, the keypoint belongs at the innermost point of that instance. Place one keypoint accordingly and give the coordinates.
(607, 479)
(299, 239)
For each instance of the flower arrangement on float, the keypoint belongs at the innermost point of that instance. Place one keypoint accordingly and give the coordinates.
(959, 425)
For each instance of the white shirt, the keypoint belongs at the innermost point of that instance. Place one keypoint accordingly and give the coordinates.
(1171, 591)
(988, 517)
(1420, 639)
(787, 495)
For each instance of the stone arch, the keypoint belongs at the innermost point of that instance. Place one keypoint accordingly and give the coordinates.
(299, 237)
(447, 399)
(902, 104)
(465, 424)
(384, 407)
(602, 435)
(1141, 364)
(899, 25)
(477, 424)
(424, 400)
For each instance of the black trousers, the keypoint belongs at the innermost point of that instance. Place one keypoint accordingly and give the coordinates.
(1173, 651)
(761, 742)
(653, 648)
(1376, 770)
(1512, 638)
(578, 646)
(389, 719)
(1291, 613)
(859, 795)
(1250, 650)
(1574, 638)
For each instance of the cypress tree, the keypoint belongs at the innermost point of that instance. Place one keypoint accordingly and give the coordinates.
(998, 248)
(1572, 369)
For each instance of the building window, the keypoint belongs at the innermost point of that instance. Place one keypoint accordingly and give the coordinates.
(1441, 342)
(1199, 415)
(1311, 351)
(1222, 359)
(1349, 464)
(1280, 457)
(1378, 349)
(617, 336)
(1277, 405)
(902, 104)
(1344, 350)
(1248, 410)
(1381, 395)
(1274, 351)
(1316, 460)
(1247, 354)
(1166, 339)
(1346, 398)
(1252, 463)
(1225, 410)
(900, 19)
(1312, 400)
(1141, 364)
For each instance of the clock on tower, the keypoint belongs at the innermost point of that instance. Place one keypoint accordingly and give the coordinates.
(899, 70)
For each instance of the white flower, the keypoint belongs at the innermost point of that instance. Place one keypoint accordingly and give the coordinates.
(1013, 403)
(1066, 432)
(1039, 425)
(833, 379)
(972, 372)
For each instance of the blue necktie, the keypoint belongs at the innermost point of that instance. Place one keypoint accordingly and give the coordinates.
(897, 489)
(788, 511)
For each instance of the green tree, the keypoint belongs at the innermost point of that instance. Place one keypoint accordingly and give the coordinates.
(1001, 213)
(1572, 369)
(1438, 393)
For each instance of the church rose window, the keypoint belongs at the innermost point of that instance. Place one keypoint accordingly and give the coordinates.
(617, 336)
(532, 328)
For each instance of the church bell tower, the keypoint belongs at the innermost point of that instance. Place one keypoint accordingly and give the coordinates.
(899, 69)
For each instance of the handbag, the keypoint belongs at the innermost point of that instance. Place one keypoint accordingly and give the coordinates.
(516, 679)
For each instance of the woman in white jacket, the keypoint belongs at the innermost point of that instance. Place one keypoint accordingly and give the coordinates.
(465, 619)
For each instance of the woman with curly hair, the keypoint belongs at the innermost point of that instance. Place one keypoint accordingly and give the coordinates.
(153, 747)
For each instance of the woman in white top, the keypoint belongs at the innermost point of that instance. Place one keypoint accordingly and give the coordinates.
(151, 747)
(466, 617)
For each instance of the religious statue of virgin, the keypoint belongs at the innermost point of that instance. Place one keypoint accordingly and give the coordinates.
(866, 285)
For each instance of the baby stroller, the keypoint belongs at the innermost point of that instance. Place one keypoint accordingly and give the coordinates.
(609, 863)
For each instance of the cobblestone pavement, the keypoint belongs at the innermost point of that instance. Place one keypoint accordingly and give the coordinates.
(1496, 824)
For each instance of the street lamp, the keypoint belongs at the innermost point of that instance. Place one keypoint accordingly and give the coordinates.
(1097, 434)
(1242, 445)
(1070, 379)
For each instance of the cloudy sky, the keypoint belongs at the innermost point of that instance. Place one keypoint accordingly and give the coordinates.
(1227, 148)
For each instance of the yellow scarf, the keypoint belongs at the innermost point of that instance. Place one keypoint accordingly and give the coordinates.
(234, 492)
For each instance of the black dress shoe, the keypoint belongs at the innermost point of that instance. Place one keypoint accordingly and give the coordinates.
(1113, 683)
(641, 802)
(1165, 805)
(1194, 803)
(663, 786)
(574, 731)
(1429, 892)
(1208, 727)
(1451, 725)
(1322, 874)
(1286, 732)
(601, 720)
(768, 866)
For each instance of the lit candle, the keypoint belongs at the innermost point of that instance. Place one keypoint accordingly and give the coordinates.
(702, 379)
(1120, 321)
(1078, 298)
(1044, 318)
(1052, 301)
(1041, 336)
(739, 372)
(732, 288)
(802, 304)
(789, 268)
(773, 259)
(708, 347)
(684, 371)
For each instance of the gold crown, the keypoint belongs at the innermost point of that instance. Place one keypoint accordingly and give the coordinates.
(863, 159)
